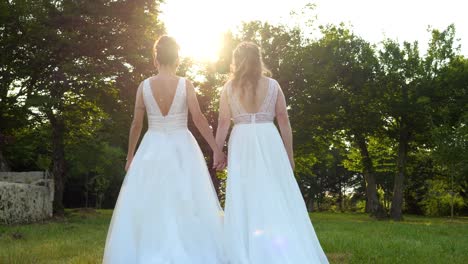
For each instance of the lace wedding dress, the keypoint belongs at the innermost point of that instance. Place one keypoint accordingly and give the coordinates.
(266, 221)
(167, 211)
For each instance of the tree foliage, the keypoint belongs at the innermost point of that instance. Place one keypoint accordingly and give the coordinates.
(380, 128)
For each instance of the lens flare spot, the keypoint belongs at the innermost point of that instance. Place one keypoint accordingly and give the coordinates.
(280, 243)
(258, 232)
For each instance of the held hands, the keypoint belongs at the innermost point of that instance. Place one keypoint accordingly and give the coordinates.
(219, 160)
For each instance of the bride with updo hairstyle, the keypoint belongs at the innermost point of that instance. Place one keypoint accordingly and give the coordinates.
(167, 210)
(266, 220)
(166, 51)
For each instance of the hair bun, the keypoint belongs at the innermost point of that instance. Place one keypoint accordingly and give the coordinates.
(166, 50)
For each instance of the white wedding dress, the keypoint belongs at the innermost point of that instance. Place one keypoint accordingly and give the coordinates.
(167, 211)
(266, 220)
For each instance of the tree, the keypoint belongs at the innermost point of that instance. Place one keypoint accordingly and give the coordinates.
(449, 132)
(77, 49)
(14, 79)
(407, 80)
(342, 97)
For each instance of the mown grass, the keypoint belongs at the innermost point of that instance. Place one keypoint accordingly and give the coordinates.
(346, 238)
(355, 238)
(77, 238)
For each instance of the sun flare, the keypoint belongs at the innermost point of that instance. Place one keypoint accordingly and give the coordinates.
(199, 25)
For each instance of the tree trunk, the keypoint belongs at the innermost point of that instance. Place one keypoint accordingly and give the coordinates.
(99, 199)
(310, 203)
(3, 164)
(451, 204)
(341, 198)
(58, 161)
(86, 191)
(386, 200)
(398, 187)
(452, 193)
(373, 205)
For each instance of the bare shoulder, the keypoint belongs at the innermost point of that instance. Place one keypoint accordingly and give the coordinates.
(140, 104)
(228, 83)
(150, 79)
(273, 81)
(186, 80)
(140, 86)
(226, 86)
(188, 83)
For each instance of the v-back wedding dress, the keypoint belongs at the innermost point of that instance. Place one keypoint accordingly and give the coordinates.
(266, 220)
(167, 211)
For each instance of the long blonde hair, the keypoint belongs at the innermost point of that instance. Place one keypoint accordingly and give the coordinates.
(247, 68)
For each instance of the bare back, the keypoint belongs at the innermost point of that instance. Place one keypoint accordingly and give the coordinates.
(164, 91)
(253, 105)
(262, 109)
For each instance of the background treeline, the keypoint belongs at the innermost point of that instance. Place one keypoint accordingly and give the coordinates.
(377, 128)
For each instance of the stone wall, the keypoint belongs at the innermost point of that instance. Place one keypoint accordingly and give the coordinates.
(25, 196)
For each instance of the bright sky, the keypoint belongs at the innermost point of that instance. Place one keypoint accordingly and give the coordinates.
(198, 24)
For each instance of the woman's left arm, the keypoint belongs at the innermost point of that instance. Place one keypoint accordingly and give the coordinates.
(202, 125)
(137, 125)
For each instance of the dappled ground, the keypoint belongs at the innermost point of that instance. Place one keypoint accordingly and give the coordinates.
(346, 238)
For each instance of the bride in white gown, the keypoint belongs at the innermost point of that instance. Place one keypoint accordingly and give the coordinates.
(266, 221)
(167, 211)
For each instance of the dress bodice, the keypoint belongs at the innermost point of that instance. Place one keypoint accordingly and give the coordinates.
(266, 112)
(176, 118)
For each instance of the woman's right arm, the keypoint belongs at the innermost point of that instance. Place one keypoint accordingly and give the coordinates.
(137, 125)
(284, 125)
(224, 121)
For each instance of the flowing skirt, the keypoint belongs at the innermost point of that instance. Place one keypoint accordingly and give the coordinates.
(167, 211)
(266, 220)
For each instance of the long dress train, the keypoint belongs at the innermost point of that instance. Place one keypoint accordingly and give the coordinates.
(167, 211)
(266, 220)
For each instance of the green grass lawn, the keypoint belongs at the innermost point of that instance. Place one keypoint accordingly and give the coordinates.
(346, 238)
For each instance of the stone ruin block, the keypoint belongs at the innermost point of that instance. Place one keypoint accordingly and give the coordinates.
(25, 197)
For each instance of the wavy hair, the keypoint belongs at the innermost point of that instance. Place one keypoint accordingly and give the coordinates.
(247, 68)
